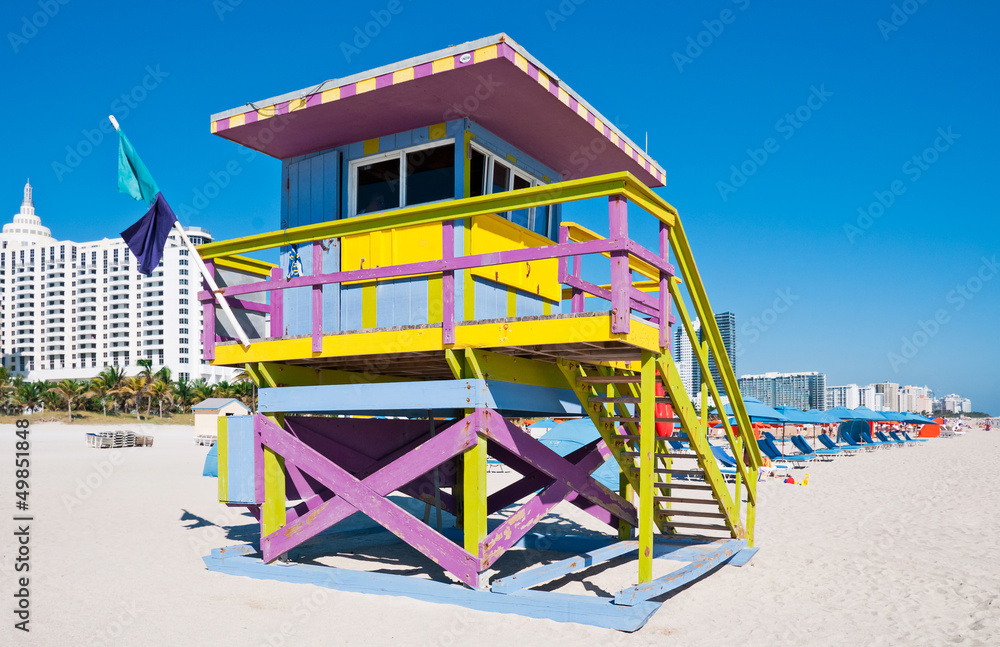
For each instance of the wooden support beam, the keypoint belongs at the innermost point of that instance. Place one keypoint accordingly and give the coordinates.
(360, 496)
(703, 558)
(647, 411)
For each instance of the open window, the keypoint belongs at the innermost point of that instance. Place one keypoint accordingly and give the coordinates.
(489, 174)
(406, 177)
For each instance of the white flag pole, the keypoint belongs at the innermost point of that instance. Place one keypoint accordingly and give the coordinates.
(208, 276)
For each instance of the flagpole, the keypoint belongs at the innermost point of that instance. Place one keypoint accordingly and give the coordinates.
(208, 276)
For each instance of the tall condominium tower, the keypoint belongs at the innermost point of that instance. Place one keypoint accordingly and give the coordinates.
(68, 309)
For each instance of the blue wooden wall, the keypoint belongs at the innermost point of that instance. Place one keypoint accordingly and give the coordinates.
(314, 189)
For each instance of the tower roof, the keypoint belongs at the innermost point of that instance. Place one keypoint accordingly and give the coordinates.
(492, 81)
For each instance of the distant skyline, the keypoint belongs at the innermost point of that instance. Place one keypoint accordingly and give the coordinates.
(833, 164)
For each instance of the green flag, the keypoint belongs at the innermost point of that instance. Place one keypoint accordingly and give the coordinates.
(133, 176)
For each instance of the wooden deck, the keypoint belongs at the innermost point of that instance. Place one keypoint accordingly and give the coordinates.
(417, 352)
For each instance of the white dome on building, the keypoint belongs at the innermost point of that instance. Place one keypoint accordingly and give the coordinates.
(26, 223)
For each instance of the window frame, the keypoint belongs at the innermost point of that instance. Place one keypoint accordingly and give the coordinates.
(513, 170)
(400, 155)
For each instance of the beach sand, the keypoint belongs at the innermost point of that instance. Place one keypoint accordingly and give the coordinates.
(896, 547)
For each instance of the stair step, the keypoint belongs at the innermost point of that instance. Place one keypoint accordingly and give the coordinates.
(700, 526)
(638, 419)
(624, 399)
(672, 512)
(658, 438)
(680, 485)
(660, 455)
(611, 379)
(672, 472)
(680, 499)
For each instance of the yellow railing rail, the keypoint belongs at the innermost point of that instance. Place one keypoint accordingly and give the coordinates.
(622, 183)
(570, 191)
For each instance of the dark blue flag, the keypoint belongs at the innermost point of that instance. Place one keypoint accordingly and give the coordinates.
(147, 237)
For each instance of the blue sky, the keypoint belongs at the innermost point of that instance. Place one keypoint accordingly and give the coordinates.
(910, 294)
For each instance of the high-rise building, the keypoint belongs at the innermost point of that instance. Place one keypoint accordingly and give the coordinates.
(727, 328)
(685, 359)
(800, 390)
(843, 396)
(68, 310)
(890, 395)
(952, 403)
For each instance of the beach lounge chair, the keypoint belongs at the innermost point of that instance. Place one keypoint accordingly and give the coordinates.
(915, 440)
(895, 442)
(848, 450)
(771, 451)
(728, 464)
(896, 436)
(867, 437)
(848, 441)
(803, 446)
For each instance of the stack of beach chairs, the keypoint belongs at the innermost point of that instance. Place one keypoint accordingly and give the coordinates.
(205, 440)
(118, 439)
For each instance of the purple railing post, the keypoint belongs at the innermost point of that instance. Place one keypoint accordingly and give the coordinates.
(621, 276)
(277, 305)
(317, 299)
(448, 284)
(208, 318)
(577, 298)
(664, 291)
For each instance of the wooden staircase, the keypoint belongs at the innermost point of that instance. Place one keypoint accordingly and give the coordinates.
(613, 400)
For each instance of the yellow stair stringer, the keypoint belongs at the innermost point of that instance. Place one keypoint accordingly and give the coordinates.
(596, 410)
(684, 410)
(659, 446)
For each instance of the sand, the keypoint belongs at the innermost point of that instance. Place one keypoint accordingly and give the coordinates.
(896, 547)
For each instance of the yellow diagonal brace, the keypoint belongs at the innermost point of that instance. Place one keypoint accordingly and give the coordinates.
(699, 443)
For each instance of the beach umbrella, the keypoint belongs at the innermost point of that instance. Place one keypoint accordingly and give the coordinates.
(864, 413)
(916, 418)
(795, 417)
(571, 435)
(757, 411)
(842, 413)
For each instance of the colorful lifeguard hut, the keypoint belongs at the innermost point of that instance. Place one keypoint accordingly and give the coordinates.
(429, 291)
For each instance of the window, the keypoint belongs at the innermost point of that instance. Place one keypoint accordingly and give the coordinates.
(489, 174)
(416, 175)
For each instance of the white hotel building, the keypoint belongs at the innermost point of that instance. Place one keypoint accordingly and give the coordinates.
(68, 310)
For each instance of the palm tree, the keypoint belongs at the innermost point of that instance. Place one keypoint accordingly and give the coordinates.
(200, 390)
(69, 390)
(133, 389)
(28, 395)
(99, 389)
(183, 393)
(6, 388)
(113, 377)
(50, 399)
(146, 372)
(160, 391)
(222, 389)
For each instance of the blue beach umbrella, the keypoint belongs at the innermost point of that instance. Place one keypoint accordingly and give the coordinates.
(864, 413)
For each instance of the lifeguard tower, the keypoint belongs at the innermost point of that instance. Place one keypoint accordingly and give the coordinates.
(428, 292)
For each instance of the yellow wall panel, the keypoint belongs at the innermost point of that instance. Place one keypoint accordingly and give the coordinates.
(330, 95)
(402, 75)
(491, 233)
(393, 247)
(365, 86)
